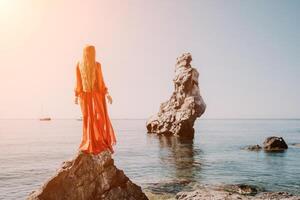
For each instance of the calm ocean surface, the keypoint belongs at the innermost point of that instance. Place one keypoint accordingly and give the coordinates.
(32, 150)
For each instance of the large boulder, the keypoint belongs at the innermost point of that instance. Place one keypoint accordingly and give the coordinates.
(274, 144)
(177, 115)
(89, 177)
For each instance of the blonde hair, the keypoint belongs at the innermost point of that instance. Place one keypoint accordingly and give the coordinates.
(88, 68)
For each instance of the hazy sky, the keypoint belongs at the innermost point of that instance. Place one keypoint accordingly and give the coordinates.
(247, 53)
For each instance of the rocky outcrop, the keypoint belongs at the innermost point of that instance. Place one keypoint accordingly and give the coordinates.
(274, 144)
(89, 177)
(241, 192)
(177, 115)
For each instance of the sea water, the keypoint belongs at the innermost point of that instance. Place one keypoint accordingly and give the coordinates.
(32, 150)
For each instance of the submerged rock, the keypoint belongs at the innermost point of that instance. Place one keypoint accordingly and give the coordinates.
(296, 145)
(253, 147)
(167, 187)
(177, 115)
(275, 144)
(89, 177)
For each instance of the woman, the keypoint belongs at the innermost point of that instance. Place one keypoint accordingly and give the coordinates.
(98, 133)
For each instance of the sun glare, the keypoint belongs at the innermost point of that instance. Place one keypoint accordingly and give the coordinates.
(18, 20)
(11, 12)
(6, 7)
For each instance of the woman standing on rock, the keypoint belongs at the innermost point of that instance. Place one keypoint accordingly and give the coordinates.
(98, 134)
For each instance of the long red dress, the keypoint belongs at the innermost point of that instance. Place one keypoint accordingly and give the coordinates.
(98, 134)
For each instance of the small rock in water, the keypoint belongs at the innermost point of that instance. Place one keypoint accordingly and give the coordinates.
(296, 145)
(177, 115)
(275, 144)
(89, 177)
(169, 187)
(253, 147)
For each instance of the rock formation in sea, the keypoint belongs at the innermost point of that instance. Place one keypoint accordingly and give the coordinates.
(274, 144)
(89, 177)
(177, 115)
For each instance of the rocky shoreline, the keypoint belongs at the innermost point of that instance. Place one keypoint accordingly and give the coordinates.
(221, 192)
(231, 192)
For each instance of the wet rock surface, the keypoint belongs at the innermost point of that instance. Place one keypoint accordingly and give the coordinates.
(89, 177)
(242, 189)
(177, 115)
(275, 144)
(232, 192)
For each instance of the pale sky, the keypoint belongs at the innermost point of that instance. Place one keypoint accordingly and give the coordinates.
(247, 53)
